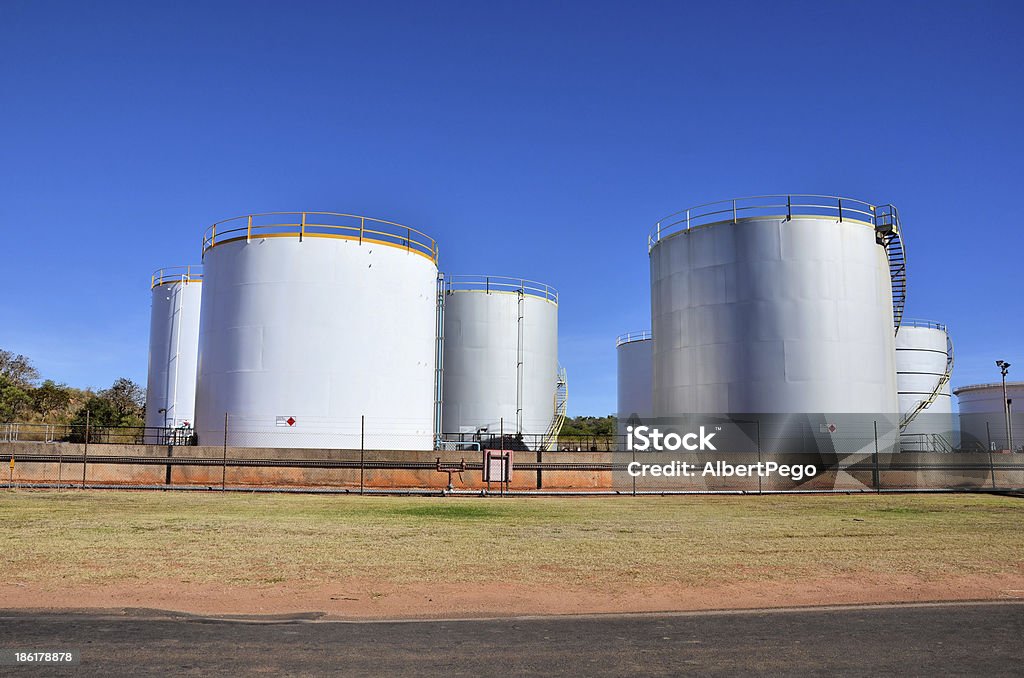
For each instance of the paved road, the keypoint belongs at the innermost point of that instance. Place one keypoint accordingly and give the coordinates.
(977, 639)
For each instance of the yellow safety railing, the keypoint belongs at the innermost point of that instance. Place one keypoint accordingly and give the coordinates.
(176, 274)
(499, 283)
(304, 225)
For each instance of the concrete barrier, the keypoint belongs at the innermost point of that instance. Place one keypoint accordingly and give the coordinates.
(63, 462)
(101, 470)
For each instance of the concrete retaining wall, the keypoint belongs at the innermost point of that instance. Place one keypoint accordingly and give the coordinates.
(211, 475)
(851, 472)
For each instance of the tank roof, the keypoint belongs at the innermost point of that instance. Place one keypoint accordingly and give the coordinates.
(930, 324)
(176, 274)
(491, 284)
(630, 337)
(303, 225)
(783, 206)
(984, 387)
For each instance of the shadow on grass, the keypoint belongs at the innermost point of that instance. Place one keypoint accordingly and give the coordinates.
(453, 511)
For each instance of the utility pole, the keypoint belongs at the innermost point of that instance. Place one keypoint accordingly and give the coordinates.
(1004, 367)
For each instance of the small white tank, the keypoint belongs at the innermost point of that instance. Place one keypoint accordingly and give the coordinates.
(633, 351)
(983, 416)
(924, 361)
(173, 349)
(500, 367)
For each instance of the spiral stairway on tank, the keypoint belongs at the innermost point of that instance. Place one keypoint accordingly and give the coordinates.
(550, 440)
(887, 231)
(944, 378)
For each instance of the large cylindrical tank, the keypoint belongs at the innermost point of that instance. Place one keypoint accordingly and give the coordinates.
(777, 304)
(923, 360)
(173, 349)
(633, 351)
(983, 416)
(500, 367)
(318, 331)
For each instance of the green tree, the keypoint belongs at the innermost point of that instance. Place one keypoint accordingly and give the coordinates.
(18, 370)
(127, 397)
(51, 400)
(589, 426)
(123, 404)
(17, 380)
(15, 399)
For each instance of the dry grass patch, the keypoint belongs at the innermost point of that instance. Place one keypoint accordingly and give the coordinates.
(109, 537)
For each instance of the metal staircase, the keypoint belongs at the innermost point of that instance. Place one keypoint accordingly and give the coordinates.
(550, 440)
(925, 442)
(887, 232)
(943, 380)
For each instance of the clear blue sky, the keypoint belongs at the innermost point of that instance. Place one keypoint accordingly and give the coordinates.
(535, 139)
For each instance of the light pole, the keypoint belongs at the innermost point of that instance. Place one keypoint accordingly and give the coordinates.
(1004, 367)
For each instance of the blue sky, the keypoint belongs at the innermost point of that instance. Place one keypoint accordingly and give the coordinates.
(534, 139)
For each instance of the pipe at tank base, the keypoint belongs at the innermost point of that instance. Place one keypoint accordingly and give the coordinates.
(421, 492)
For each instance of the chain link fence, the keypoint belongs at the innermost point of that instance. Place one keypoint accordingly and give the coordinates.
(96, 435)
(377, 457)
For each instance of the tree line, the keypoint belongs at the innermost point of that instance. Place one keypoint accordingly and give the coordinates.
(589, 426)
(26, 398)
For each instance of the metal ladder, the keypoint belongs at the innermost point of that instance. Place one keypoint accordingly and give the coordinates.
(439, 362)
(887, 232)
(550, 440)
(519, 359)
(943, 380)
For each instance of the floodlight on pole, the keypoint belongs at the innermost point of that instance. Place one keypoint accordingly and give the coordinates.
(1004, 367)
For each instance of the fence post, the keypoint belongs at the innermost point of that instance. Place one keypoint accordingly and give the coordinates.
(875, 476)
(170, 453)
(85, 453)
(60, 463)
(362, 449)
(540, 459)
(224, 459)
(501, 436)
(992, 469)
(631, 449)
(759, 482)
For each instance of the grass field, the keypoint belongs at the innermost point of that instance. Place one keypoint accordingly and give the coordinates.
(96, 538)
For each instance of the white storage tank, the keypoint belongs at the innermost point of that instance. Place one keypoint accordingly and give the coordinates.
(173, 350)
(924, 364)
(633, 352)
(776, 304)
(983, 416)
(311, 322)
(500, 359)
